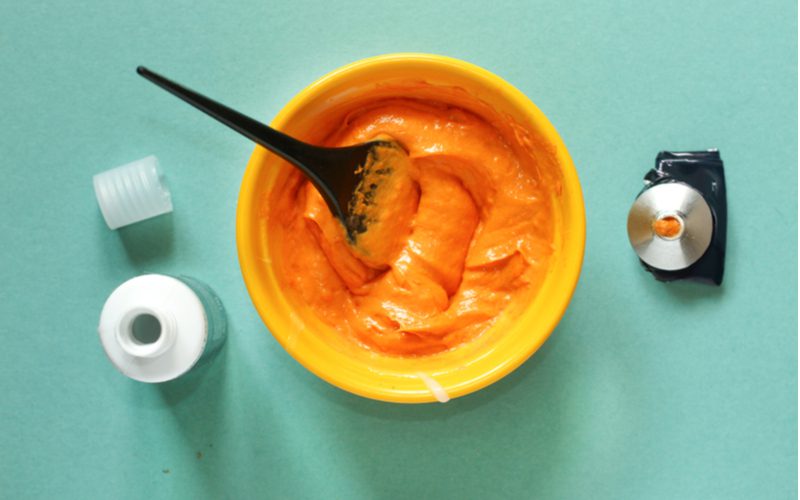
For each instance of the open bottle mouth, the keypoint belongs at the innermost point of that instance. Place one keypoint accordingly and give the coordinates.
(669, 226)
(146, 333)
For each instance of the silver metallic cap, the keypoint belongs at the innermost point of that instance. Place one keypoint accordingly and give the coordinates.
(670, 226)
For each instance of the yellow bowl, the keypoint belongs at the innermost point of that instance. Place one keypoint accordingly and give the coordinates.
(322, 349)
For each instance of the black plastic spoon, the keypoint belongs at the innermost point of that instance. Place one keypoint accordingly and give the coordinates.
(334, 172)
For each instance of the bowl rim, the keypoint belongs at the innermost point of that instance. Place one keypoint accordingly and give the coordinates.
(573, 253)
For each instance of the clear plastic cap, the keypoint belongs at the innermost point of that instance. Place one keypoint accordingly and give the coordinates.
(132, 193)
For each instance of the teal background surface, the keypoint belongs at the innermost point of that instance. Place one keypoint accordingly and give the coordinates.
(645, 390)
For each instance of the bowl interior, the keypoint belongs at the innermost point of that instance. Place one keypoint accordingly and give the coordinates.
(517, 333)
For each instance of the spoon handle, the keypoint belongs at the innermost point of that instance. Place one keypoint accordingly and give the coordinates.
(281, 144)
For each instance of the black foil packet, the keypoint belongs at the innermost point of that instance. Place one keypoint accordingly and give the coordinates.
(702, 170)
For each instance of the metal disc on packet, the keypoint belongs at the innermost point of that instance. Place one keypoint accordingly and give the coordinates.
(670, 226)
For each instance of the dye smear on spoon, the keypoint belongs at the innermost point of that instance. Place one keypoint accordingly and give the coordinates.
(354, 181)
(381, 204)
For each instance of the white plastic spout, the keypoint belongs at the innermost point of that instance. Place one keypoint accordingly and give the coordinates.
(146, 332)
(132, 193)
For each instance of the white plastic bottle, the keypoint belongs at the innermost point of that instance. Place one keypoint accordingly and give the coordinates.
(155, 328)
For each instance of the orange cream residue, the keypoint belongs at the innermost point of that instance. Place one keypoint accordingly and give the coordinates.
(468, 229)
(667, 227)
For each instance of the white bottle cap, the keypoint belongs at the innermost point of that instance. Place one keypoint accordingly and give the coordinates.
(132, 192)
(153, 328)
